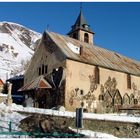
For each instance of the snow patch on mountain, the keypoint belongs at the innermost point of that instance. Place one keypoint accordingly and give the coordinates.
(16, 48)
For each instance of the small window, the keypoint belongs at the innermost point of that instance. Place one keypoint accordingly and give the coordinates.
(46, 68)
(39, 71)
(97, 75)
(42, 69)
(128, 81)
(86, 38)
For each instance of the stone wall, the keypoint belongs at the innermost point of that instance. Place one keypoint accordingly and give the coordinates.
(118, 129)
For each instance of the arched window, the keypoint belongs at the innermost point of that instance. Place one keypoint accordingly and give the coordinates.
(128, 81)
(97, 75)
(86, 38)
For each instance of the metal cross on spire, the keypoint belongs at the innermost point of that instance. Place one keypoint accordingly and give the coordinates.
(48, 26)
(81, 6)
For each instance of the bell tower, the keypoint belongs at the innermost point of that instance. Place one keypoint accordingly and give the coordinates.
(81, 30)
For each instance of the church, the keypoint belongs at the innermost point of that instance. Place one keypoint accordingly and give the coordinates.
(71, 71)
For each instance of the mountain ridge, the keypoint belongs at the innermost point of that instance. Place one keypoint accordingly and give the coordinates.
(16, 48)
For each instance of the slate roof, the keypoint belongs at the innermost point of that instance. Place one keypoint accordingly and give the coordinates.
(80, 24)
(95, 55)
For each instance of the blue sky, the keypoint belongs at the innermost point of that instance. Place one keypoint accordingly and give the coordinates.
(116, 25)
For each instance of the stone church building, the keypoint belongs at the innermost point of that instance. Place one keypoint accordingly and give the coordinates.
(71, 71)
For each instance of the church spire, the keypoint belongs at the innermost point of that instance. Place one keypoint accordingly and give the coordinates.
(81, 23)
(81, 30)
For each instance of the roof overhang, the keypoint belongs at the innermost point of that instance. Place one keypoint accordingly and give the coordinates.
(38, 83)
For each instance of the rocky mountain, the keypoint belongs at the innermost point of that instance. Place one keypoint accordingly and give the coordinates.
(16, 48)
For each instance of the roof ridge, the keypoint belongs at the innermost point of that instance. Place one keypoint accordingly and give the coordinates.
(95, 46)
(105, 58)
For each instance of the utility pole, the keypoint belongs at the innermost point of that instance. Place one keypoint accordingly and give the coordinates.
(9, 98)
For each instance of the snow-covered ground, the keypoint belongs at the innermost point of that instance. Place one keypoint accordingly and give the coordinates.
(112, 117)
(92, 134)
(9, 113)
(7, 116)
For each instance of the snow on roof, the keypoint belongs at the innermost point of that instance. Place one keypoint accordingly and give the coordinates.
(17, 77)
(3, 95)
(73, 48)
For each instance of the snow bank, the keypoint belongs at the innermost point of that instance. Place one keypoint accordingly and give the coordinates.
(3, 95)
(9, 113)
(110, 117)
(92, 134)
(113, 117)
(7, 116)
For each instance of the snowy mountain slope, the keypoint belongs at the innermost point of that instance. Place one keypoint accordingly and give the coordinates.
(16, 48)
